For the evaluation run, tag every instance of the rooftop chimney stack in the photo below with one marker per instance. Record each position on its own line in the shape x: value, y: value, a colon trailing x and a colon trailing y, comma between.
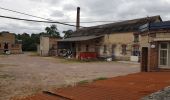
x: 78, y: 19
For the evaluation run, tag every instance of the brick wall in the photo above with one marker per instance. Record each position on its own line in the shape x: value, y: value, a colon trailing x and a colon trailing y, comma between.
x: 7, y: 37
x: 12, y: 46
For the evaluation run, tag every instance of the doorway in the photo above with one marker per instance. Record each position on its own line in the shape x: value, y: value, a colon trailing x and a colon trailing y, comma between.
x: 73, y: 49
x: 144, y: 60
x: 5, y: 46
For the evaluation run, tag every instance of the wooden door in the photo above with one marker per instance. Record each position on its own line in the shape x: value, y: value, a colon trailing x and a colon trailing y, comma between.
x: 144, y: 59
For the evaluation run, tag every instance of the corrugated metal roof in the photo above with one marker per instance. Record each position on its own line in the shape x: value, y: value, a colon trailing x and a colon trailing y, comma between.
x: 155, y: 26
x: 81, y: 38
x: 118, y: 27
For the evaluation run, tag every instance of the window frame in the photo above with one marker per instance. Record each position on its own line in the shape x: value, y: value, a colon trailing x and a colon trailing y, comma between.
x: 136, y: 38
x: 104, y: 48
x: 167, y: 58
x: 124, y: 49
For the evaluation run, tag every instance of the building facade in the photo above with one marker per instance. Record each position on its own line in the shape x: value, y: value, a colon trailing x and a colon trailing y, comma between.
x: 9, y: 43
x: 116, y: 40
x: 155, y: 46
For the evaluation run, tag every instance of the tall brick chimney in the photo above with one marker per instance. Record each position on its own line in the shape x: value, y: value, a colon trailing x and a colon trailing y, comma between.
x: 78, y: 19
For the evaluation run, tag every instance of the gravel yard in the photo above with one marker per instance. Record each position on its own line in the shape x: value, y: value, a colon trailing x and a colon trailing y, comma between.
x: 25, y: 74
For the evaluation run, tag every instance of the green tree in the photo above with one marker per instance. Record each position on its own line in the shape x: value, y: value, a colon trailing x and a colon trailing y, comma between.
x: 29, y: 42
x: 52, y: 31
x: 68, y: 33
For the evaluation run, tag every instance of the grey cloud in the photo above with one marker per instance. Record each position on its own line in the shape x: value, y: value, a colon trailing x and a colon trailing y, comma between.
x: 69, y: 7
x: 57, y: 13
x: 15, y: 28
x: 53, y: 2
x: 63, y: 10
x: 144, y: 8
x: 100, y: 7
x: 124, y: 9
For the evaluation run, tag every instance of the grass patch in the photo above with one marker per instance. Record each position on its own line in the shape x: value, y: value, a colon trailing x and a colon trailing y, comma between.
x: 1, y: 65
x: 89, y: 81
x: 4, y: 76
x: 3, y: 55
x: 5, y: 65
x: 83, y: 82
x: 100, y: 78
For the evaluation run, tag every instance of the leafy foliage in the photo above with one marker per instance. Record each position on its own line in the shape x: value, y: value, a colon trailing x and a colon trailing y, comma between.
x: 52, y: 31
x: 29, y: 42
x: 67, y: 33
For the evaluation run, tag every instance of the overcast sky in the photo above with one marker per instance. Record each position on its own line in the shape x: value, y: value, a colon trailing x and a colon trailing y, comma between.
x: 65, y: 10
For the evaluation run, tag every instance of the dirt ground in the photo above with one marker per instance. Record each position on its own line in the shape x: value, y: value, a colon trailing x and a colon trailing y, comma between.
x: 25, y: 74
x: 128, y: 87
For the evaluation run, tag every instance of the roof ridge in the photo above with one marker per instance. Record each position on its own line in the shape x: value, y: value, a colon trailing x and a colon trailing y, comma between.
x: 122, y: 21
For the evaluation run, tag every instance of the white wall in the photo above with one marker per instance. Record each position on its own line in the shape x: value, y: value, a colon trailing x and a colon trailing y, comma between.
x: 44, y: 46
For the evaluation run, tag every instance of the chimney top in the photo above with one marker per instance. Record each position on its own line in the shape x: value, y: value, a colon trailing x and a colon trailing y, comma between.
x: 78, y: 18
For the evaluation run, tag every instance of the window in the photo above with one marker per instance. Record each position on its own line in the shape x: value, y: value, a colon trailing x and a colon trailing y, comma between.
x: 113, y: 48
x: 163, y: 54
x: 105, y: 49
x: 136, y: 38
x: 87, y: 48
x: 136, y: 51
x: 124, y: 51
x: 164, y: 45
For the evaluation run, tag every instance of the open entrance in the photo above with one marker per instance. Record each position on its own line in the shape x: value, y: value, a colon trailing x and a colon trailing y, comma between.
x: 67, y: 49
x: 144, y: 60
x: 5, y: 46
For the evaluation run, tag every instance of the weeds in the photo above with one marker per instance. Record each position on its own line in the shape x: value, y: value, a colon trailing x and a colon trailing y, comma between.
x: 4, y: 76
x: 100, y: 78
x: 88, y: 81
x: 5, y: 65
x: 83, y: 82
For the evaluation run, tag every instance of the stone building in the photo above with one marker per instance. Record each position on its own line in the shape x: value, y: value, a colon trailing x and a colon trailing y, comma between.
x: 9, y: 43
x: 155, y: 45
x: 117, y: 40
x: 47, y: 46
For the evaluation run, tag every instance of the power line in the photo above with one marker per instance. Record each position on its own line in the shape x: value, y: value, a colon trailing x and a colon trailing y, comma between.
x: 25, y: 14
x: 50, y: 19
x: 92, y: 21
x: 36, y: 20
